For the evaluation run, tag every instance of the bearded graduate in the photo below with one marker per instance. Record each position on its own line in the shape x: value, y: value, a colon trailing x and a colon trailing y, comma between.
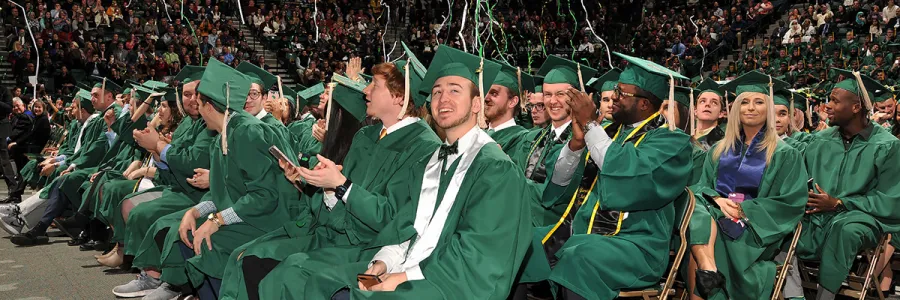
x: 749, y: 198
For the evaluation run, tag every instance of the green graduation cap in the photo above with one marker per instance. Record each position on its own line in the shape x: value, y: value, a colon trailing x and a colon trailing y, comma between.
x: 538, y: 84
x: 883, y: 95
x: 258, y: 75
x: 226, y: 87
x: 110, y: 85
x: 754, y: 81
x: 365, y: 77
x: 310, y: 95
x: 606, y: 82
x: 289, y: 93
x: 783, y: 97
x: 189, y: 74
x: 155, y: 85
x: 510, y: 76
x: 648, y: 76
x: 453, y: 62
x: 349, y: 95
x: 126, y: 91
x: 171, y: 97
x: 852, y: 85
x: 709, y: 85
x: 560, y: 70
x: 417, y: 73
x: 684, y: 94
x: 800, y: 101
x: 84, y: 100
x: 141, y: 92
x: 84, y: 85
x: 416, y: 64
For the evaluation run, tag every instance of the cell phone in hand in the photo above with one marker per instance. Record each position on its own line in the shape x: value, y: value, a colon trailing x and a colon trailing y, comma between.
x: 811, y: 185
x: 279, y: 155
x: 368, y: 280
x: 303, y: 160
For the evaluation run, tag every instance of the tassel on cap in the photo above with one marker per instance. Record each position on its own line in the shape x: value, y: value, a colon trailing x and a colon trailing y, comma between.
x: 329, y: 88
x: 482, y: 121
x: 178, y: 101
x: 521, y: 90
x: 225, y: 120
x: 405, y: 91
x: 103, y: 90
x: 693, y: 127
x: 297, y: 105
x: 670, y: 114
x: 865, y: 94
x: 580, y: 79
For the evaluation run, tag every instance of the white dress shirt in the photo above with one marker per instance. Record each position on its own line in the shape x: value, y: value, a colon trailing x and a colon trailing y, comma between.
x: 597, y: 143
x: 509, y: 123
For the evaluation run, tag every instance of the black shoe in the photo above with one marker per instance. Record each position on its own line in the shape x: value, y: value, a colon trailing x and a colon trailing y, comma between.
x: 709, y: 282
x: 88, y: 246
x: 78, y: 240
x: 30, y: 238
x: 71, y: 226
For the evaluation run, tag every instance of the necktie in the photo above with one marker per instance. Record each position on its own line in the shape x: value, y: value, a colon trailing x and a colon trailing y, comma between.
x: 490, y: 131
x: 447, y: 150
x: 383, y: 133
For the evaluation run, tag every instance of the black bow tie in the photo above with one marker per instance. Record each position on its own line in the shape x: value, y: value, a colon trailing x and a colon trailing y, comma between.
x: 447, y: 150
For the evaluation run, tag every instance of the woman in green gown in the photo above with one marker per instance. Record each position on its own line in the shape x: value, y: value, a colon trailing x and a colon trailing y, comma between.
x: 749, y: 198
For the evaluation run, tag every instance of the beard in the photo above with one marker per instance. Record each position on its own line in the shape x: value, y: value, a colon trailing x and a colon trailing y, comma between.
x: 626, y: 115
x: 447, y: 124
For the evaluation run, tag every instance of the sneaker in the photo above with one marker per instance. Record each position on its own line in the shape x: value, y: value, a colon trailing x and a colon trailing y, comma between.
x: 9, y: 210
x: 12, y: 224
x: 140, y: 287
x: 163, y: 292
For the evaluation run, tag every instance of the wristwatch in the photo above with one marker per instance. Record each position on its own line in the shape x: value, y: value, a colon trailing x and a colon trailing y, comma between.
x: 340, y: 190
x: 212, y: 217
x: 590, y: 125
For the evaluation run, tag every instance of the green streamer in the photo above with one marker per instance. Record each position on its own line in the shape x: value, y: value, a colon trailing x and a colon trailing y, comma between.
x: 194, y: 34
x: 574, y: 31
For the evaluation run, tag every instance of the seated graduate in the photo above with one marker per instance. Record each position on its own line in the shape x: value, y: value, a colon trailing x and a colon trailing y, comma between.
x: 263, y: 82
x: 749, y: 198
x: 15, y: 218
x: 247, y: 195
x: 307, y: 104
x: 361, y: 196
x: 539, y: 150
x: 855, y: 198
x: 449, y: 244
x: 502, y: 105
x: 633, y: 226
x: 77, y: 169
x: 709, y: 109
x: 605, y: 85
x: 540, y: 116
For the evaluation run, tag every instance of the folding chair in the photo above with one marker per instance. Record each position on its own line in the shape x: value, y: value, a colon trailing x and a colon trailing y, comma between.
x: 666, y: 290
x: 856, y: 286
x: 784, y: 268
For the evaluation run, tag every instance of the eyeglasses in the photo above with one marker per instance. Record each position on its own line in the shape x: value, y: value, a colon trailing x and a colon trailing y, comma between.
x: 534, y: 107
x: 619, y: 93
x: 254, y: 95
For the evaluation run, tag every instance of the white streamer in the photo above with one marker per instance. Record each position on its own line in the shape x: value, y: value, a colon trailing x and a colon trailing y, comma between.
x: 387, y: 55
x: 588, y: 21
x: 462, y: 27
x: 699, y: 43
x: 449, y: 12
x: 315, y: 18
x: 166, y: 8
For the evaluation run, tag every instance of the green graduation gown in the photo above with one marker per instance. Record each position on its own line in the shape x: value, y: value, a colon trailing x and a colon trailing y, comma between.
x: 379, y: 172
x: 186, y: 153
x: 546, y: 202
x: 509, y: 138
x: 301, y: 132
x: 94, y: 145
x: 748, y: 262
x: 631, y: 226
x: 477, y: 254
x: 861, y: 177
x: 247, y: 181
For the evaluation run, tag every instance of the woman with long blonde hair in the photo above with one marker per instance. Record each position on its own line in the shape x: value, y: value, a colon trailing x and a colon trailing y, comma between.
x: 750, y: 195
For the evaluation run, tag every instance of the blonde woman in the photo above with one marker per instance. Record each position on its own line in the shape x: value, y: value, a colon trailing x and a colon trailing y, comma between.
x: 751, y: 194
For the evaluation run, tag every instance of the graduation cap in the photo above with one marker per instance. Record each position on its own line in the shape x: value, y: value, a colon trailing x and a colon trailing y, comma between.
x: 606, y: 82
x: 755, y: 81
x: 560, y: 70
x: 709, y: 85
x: 310, y: 95
x: 349, y: 95
x: 652, y: 78
x: 453, y: 62
x: 257, y: 75
x: 538, y: 84
x: 84, y: 85
x: 365, y: 77
x: 83, y: 97
x: 189, y: 74
x: 226, y: 88
x: 413, y: 71
x: 860, y: 85
x: 109, y: 85
x: 685, y: 96
x: 155, y: 85
x: 290, y: 95
x: 882, y: 95
x: 514, y: 79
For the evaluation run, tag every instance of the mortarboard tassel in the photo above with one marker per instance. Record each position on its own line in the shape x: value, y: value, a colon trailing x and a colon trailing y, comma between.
x: 482, y: 121
x: 297, y: 105
x: 225, y: 121
x: 178, y: 102
x: 670, y: 113
x: 865, y: 94
x: 280, y: 89
x: 329, y: 89
x: 791, y: 115
x: 405, y: 91
x: 103, y: 90
x: 580, y: 80
x: 693, y: 115
x: 521, y: 91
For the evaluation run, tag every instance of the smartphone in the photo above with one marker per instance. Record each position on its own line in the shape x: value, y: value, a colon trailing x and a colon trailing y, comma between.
x: 279, y: 155
x: 368, y: 280
x: 303, y: 160
x: 811, y: 185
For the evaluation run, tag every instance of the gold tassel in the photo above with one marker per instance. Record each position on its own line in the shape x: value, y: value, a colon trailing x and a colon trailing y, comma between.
x: 405, y: 91
x: 693, y: 117
x: 521, y: 90
x: 103, y: 90
x: 865, y: 94
x: 791, y: 114
x: 329, y: 89
x: 178, y: 101
x: 225, y: 121
x: 482, y: 121
x: 671, y: 109
x: 280, y: 89
x: 580, y: 80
